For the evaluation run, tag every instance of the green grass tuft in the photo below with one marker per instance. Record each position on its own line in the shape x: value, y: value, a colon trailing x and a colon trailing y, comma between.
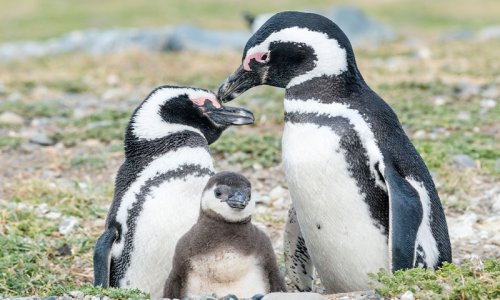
x: 249, y: 149
x: 10, y: 142
x: 114, y: 293
x: 470, y: 280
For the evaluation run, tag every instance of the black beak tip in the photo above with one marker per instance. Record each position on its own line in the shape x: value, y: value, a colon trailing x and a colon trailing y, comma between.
x: 222, y: 95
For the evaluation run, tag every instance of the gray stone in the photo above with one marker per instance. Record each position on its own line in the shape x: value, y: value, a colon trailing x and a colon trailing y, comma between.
x: 463, y: 116
x: 277, y: 193
x: 490, y: 91
x: 489, y: 33
x: 67, y: 225
x: 359, y: 27
x: 408, y: 295
x: 53, y: 215
x: 458, y: 34
x: 77, y: 294
x: 42, y: 139
x: 258, y: 21
x: 197, y: 39
x: 462, y: 227
x: 11, y: 118
x: 90, y: 41
x: 114, y: 40
x: 462, y: 161
x: 422, y: 52
x: 293, y: 296
x: 488, y: 103
x: 467, y: 89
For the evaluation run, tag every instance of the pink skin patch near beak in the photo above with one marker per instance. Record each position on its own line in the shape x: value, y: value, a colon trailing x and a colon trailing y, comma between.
x: 259, y: 57
x: 201, y: 101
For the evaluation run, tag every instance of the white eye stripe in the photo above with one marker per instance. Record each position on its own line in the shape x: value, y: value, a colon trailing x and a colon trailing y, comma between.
x: 149, y: 125
x: 331, y: 59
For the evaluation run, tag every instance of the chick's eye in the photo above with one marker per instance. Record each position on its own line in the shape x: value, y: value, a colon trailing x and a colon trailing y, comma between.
x: 218, y: 193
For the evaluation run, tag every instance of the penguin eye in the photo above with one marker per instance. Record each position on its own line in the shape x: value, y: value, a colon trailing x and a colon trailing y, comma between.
x: 264, y: 57
x: 217, y: 193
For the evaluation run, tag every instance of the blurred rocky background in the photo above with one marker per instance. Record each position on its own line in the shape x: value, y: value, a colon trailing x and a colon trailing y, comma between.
x: 71, y: 72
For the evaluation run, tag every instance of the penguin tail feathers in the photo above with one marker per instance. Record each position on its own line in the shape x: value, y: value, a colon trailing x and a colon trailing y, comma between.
x: 102, y: 257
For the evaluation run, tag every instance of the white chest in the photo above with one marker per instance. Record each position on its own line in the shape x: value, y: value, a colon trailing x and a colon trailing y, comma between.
x: 333, y: 216
x: 226, y: 272
x: 169, y: 211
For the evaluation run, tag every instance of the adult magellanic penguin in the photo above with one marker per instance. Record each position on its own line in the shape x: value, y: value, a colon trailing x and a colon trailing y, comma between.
x: 363, y: 196
x: 158, y: 188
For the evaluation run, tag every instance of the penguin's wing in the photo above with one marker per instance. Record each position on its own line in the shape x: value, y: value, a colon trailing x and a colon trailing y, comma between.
x: 102, y: 257
x: 405, y: 217
x: 298, y: 263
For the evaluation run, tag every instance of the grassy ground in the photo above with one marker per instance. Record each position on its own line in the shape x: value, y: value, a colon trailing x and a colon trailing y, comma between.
x: 83, y: 103
x: 43, y: 19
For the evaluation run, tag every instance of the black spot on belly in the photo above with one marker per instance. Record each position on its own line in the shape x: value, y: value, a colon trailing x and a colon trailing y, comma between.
x: 318, y: 226
x: 420, y: 260
x: 357, y: 160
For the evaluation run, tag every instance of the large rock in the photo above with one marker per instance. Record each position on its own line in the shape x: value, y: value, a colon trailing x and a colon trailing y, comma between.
x: 198, y: 39
x: 462, y: 161
x: 11, y: 118
x: 95, y: 41
x: 90, y: 41
x: 358, y: 26
x: 490, y: 33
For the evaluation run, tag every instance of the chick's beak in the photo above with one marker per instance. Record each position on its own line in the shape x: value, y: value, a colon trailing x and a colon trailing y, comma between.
x: 238, y: 200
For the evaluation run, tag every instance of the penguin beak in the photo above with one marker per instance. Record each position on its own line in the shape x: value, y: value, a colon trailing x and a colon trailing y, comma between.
x: 238, y: 200
x: 227, y: 115
x: 239, y: 82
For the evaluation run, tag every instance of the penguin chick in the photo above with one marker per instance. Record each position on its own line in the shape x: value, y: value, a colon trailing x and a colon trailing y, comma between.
x: 159, y: 186
x: 224, y: 252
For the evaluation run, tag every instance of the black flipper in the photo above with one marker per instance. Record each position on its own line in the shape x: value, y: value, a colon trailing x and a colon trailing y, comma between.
x: 405, y: 218
x: 102, y: 257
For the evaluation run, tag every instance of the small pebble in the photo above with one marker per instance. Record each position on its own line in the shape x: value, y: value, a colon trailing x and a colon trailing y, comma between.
x: 76, y: 294
x: 67, y: 225
x: 65, y: 250
x: 408, y: 295
x: 11, y: 118
x: 488, y: 103
x: 42, y: 140
x: 462, y: 161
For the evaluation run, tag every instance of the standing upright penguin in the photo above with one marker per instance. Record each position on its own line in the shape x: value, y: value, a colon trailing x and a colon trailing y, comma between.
x: 158, y: 187
x: 361, y: 193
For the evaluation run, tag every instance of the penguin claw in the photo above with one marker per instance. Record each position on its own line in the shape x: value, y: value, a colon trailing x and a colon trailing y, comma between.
x: 257, y: 297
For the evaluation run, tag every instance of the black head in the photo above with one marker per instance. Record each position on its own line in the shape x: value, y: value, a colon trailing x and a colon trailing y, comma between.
x: 169, y: 109
x: 228, y: 195
x: 291, y: 48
